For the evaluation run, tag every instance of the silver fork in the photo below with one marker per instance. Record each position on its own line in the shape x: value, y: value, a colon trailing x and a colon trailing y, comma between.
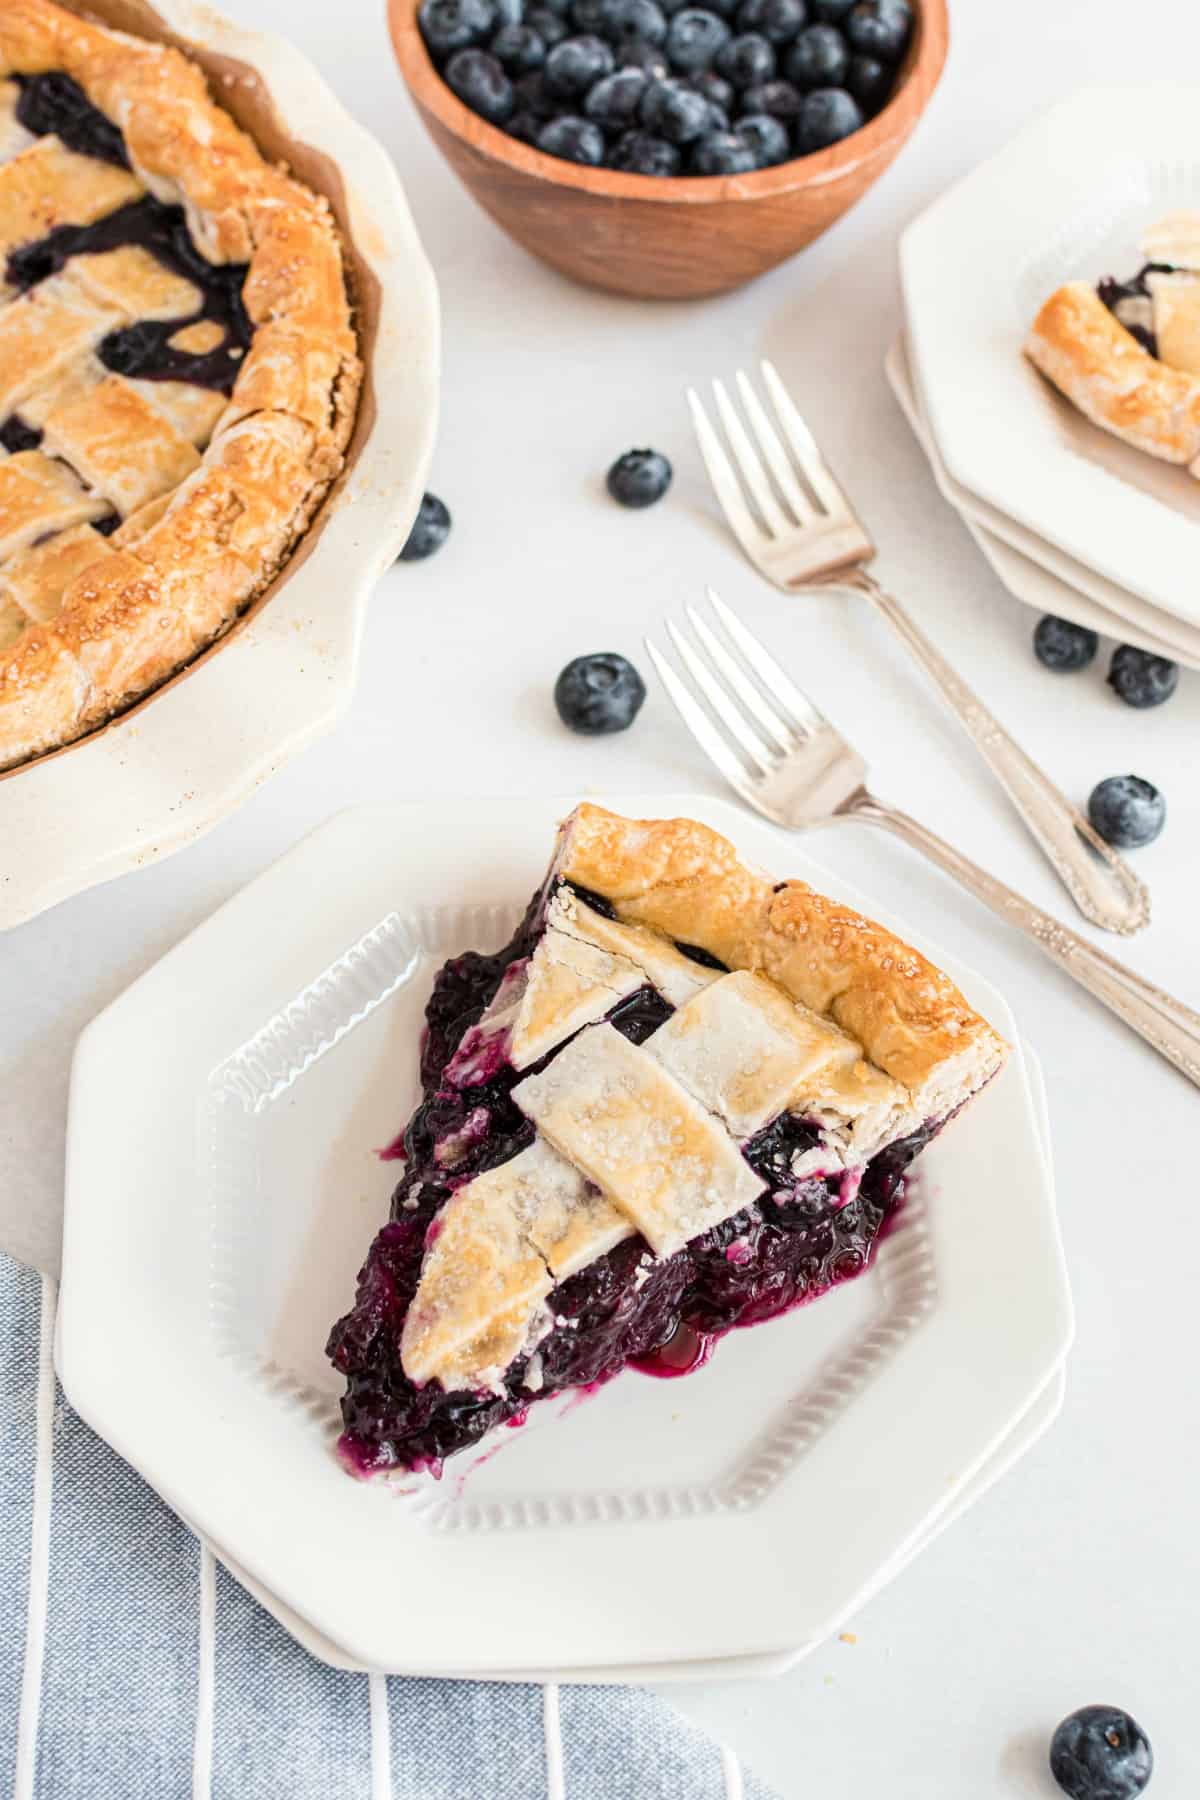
x: 787, y: 761
x: 797, y: 526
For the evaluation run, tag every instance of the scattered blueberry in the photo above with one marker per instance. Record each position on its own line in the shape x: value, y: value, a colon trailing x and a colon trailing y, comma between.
x: 576, y: 64
x: 430, y: 529
x: 613, y: 102
x: 880, y: 28
x: 818, y: 58
x: 779, y: 98
x: 640, y: 153
x: 1063, y: 646
x: 675, y: 112
x: 550, y: 27
x: 723, y: 153
x: 574, y: 140
x: 693, y: 39
x: 827, y: 116
x: 598, y: 694
x: 639, y: 478
x: 715, y: 89
x: 747, y: 59
x: 1100, y: 1753
x: 1140, y: 678
x: 869, y: 81
x: 767, y: 137
x: 449, y: 25
x: 518, y: 49
x: 1127, y: 811
x: 779, y: 21
x: 651, y: 59
x: 481, y: 84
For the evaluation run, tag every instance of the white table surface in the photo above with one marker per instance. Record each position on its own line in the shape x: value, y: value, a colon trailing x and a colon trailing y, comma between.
x: 1078, y: 1578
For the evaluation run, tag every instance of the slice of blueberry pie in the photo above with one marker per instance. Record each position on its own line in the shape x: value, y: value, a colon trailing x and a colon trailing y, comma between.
x: 1127, y: 353
x: 178, y: 370
x: 682, y: 1099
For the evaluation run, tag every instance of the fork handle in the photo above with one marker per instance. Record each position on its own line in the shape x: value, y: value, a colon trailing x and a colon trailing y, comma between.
x: 1101, y: 883
x: 1166, y: 1024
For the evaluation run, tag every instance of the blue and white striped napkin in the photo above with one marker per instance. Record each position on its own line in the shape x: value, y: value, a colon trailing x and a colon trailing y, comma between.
x: 133, y: 1667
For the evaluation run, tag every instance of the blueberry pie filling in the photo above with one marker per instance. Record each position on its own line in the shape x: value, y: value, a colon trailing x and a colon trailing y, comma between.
x: 644, y: 1122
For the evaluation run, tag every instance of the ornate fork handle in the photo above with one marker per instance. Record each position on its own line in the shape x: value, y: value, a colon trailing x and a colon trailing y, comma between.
x: 1101, y: 883
x: 1170, y: 1027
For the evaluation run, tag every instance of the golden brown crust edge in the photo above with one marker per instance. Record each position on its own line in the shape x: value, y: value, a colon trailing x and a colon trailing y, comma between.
x: 686, y: 880
x: 1081, y: 347
x: 288, y: 420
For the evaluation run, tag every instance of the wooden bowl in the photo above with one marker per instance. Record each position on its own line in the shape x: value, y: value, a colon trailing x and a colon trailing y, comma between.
x: 665, y: 239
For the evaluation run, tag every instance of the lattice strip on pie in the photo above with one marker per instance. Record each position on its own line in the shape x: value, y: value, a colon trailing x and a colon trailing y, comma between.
x: 12, y: 622
x: 135, y: 284
x: 35, y: 579
x: 43, y: 333
x: 121, y: 445
x: 193, y: 411
x: 47, y: 185
x: 39, y: 496
x: 13, y: 136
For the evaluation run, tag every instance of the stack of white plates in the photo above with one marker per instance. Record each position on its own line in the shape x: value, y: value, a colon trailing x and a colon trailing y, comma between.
x: 1073, y: 521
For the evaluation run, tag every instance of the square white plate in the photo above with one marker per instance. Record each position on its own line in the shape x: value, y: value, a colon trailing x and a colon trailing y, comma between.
x: 1068, y: 198
x: 221, y: 1196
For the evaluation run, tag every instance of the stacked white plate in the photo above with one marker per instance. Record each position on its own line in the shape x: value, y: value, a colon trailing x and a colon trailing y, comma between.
x: 1073, y: 521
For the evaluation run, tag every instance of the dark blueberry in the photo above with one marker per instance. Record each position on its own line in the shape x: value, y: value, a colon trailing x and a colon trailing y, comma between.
x: 651, y: 59
x: 869, y: 80
x: 1140, y: 678
x: 639, y: 478
x: 767, y: 137
x: 576, y: 64
x: 509, y: 12
x: 598, y: 694
x: 1063, y: 646
x: 778, y: 20
x: 560, y: 8
x: 430, y: 529
x: 641, y: 19
x: 533, y: 96
x: 830, y: 12
x: 779, y: 98
x: 747, y: 60
x: 597, y: 18
x: 549, y: 26
x: 481, y: 84
x: 827, y: 116
x: 718, y: 119
x: 723, y: 153
x: 880, y: 28
x: 1126, y: 811
x: 673, y: 111
x: 518, y: 49
x: 574, y: 140
x: 694, y: 37
x: 818, y: 58
x: 449, y: 25
x: 638, y: 153
x: 715, y: 89
x: 1100, y: 1753
x: 524, y: 125
x: 613, y: 103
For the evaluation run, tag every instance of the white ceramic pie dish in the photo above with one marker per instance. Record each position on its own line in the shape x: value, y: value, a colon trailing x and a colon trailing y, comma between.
x: 192, y: 1329
x: 159, y: 777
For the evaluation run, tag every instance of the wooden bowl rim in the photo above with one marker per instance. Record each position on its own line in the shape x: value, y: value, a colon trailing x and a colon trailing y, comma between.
x: 919, y: 73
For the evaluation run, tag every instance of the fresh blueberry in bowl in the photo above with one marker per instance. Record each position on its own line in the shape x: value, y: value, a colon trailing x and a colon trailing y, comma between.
x: 509, y: 12
x: 642, y: 19
x: 431, y: 528
x: 827, y: 116
x: 818, y: 58
x: 869, y: 80
x: 1062, y: 645
x: 779, y: 21
x: 480, y: 83
x: 1140, y: 678
x: 880, y: 28
x: 598, y: 694
x: 767, y: 137
x: 1100, y: 1753
x: 747, y: 59
x: 531, y: 95
x: 450, y: 25
x: 674, y: 111
x: 782, y: 99
x: 715, y: 88
x: 694, y: 37
x: 613, y: 102
x: 550, y: 26
x: 639, y: 477
x: 641, y: 153
x: 576, y: 64
x: 651, y: 59
x: 518, y: 49
x: 1127, y: 811
x: 723, y: 153
x: 831, y: 12
x: 573, y: 140
x: 594, y: 18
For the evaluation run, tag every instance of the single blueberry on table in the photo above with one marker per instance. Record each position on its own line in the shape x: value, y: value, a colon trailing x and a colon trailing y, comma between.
x: 778, y: 20
x: 651, y: 59
x: 1126, y: 811
x: 613, y: 102
x: 693, y: 38
x: 576, y: 64
x: 639, y: 478
x: 599, y: 694
x: 573, y: 140
x: 827, y: 116
x: 449, y: 25
x: 431, y: 528
x: 640, y: 153
x: 481, y: 84
x: 1141, y: 679
x: 518, y: 49
x: 550, y: 27
x: 880, y: 28
x: 818, y: 58
x: 781, y: 99
x: 1062, y: 645
x: 723, y: 153
x: 767, y: 137
x: 675, y: 112
x: 746, y: 60
x: 870, y: 81
x: 715, y: 89
x: 1100, y: 1753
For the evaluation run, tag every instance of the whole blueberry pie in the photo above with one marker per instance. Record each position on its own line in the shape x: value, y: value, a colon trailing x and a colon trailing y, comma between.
x: 683, y: 1098
x: 1127, y: 353
x: 178, y: 370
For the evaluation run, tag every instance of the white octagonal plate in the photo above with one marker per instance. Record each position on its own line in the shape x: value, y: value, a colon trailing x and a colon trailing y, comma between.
x: 222, y: 1188
x: 1067, y: 199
